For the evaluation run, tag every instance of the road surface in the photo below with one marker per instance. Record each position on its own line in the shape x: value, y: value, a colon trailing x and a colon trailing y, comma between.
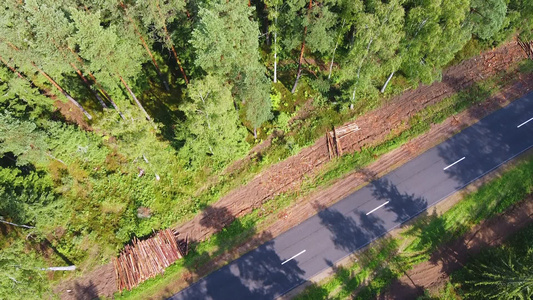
x: 290, y: 259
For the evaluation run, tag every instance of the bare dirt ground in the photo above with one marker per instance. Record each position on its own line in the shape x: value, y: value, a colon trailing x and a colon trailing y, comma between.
x: 433, y: 274
x: 72, y: 114
x: 289, y: 174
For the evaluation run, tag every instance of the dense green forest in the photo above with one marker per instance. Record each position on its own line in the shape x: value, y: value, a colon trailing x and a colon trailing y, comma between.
x: 114, y: 114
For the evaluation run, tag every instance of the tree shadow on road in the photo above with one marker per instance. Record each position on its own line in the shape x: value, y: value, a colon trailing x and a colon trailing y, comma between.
x: 404, y: 205
x: 258, y: 274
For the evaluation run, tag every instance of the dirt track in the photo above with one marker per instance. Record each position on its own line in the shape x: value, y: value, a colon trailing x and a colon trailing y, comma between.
x: 289, y: 174
x: 434, y: 273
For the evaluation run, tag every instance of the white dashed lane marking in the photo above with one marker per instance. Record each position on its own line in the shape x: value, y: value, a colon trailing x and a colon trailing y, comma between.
x: 454, y: 163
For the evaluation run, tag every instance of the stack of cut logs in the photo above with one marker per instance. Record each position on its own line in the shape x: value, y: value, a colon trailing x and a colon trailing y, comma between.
x: 527, y: 47
x: 333, y: 138
x: 147, y: 258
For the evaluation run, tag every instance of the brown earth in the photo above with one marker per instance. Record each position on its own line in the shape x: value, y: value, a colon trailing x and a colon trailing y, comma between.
x: 433, y: 274
x: 71, y: 113
x: 289, y: 174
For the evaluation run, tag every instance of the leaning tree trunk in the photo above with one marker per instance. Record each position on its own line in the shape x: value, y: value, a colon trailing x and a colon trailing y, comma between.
x: 165, y: 83
x: 100, y: 88
x: 143, y: 42
x: 275, y: 57
x: 11, y: 68
x: 299, y: 72
x: 80, y: 74
x: 134, y: 98
x: 88, y: 84
x: 334, y: 50
x: 87, y: 114
x: 408, y: 46
x: 387, y: 82
x: 332, y: 60
x: 17, y: 225
x: 276, y: 48
x: 361, y: 65
x: 169, y: 41
x: 178, y: 61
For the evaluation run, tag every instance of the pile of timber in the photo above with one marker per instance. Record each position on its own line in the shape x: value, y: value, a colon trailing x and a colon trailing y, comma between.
x: 333, y: 138
x: 527, y: 47
x: 147, y: 258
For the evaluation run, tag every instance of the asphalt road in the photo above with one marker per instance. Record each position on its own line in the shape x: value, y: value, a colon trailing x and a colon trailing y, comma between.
x: 290, y: 259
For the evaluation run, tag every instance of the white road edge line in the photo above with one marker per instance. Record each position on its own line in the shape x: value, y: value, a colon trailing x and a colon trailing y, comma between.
x: 524, y: 123
x: 453, y: 163
x: 377, y: 208
x: 301, y: 252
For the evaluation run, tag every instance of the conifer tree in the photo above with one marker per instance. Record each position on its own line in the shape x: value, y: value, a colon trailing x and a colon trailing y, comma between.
x: 487, y: 16
x: 147, y: 43
x: 212, y: 122
x: 505, y: 276
x: 226, y: 43
x: 157, y: 15
x: 51, y: 30
x: 308, y: 24
x: 17, y: 44
x: 112, y: 53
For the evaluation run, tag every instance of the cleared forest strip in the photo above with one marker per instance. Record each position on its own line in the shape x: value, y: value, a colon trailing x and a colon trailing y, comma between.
x: 374, y: 127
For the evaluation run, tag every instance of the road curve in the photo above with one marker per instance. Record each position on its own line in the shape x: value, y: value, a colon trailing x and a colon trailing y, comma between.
x: 293, y: 257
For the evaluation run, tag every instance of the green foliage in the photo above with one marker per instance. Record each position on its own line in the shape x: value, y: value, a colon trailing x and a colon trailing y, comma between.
x: 488, y: 17
x: 226, y: 45
x: 503, y: 276
x: 21, y: 99
x: 435, y: 32
x: 28, y: 198
x: 21, y: 139
x: 523, y: 17
x: 212, y: 124
x: 20, y: 275
x: 499, y: 273
x: 275, y: 99
x: 317, y: 20
x: 378, y: 33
